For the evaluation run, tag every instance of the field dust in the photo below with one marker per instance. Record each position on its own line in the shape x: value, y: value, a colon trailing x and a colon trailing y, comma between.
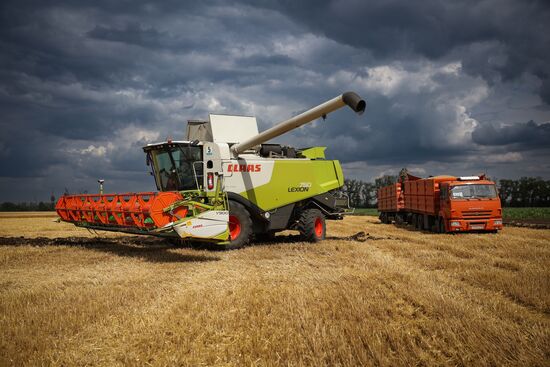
x: 391, y: 296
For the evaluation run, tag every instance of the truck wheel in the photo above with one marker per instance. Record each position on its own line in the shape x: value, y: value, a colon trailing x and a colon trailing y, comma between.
x: 311, y: 225
x: 440, y: 225
x: 415, y: 221
x: 240, y: 226
x: 419, y: 222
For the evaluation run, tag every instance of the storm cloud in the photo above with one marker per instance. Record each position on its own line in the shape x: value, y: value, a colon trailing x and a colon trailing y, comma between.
x: 528, y: 135
x: 449, y: 85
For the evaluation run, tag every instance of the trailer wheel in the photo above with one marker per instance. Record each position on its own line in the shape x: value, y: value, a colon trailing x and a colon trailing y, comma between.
x: 423, y: 226
x: 419, y: 221
x: 240, y: 226
x: 311, y: 225
x: 399, y: 219
x: 440, y: 225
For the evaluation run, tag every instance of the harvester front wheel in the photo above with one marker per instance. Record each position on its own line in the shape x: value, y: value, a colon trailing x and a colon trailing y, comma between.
x: 240, y: 226
x: 311, y: 225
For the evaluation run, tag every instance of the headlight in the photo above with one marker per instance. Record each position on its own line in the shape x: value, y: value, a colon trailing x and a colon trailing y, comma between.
x: 497, y: 222
x: 455, y: 224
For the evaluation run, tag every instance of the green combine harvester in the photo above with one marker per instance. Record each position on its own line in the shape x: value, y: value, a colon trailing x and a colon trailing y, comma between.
x: 225, y: 185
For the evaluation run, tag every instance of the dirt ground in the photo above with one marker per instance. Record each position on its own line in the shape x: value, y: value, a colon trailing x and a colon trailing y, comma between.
x: 371, y: 294
x: 529, y: 223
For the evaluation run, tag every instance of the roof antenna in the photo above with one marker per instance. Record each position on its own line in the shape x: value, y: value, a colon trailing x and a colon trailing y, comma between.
x: 101, y: 181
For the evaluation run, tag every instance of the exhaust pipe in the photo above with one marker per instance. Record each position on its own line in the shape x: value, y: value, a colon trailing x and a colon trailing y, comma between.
x: 350, y: 99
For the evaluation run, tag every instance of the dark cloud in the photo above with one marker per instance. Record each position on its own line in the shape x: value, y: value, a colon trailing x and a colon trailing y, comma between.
x: 137, y: 34
x: 528, y: 135
x: 272, y: 60
x: 435, y: 29
x: 85, y: 85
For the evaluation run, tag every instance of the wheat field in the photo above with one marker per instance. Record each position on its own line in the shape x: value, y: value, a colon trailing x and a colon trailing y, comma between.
x: 394, y: 297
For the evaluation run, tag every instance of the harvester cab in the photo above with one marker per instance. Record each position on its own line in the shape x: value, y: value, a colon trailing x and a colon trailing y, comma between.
x: 176, y: 166
x: 226, y: 185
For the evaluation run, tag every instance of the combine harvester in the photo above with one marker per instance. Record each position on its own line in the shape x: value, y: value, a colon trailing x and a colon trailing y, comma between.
x: 224, y: 185
x: 442, y: 203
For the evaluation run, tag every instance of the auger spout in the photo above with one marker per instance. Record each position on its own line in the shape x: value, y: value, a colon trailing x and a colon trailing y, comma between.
x: 350, y: 99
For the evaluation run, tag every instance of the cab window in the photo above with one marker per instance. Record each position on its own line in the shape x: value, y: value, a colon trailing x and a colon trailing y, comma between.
x: 473, y: 191
x: 177, y: 168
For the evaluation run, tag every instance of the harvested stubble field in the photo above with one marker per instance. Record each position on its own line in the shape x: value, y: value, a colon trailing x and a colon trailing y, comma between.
x: 394, y: 297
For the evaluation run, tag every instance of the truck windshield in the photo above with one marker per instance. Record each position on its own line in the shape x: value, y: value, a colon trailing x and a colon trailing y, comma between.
x: 173, y: 167
x: 473, y: 191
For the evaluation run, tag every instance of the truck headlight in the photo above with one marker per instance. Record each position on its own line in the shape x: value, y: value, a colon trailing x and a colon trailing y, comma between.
x: 497, y: 222
x: 455, y: 224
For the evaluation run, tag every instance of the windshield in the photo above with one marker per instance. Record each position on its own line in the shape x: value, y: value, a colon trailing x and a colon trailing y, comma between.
x: 173, y: 167
x: 473, y: 191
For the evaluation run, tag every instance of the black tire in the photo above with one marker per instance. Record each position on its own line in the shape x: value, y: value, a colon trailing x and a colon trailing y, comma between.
x: 312, y: 226
x: 419, y: 222
x: 383, y: 217
x: 441, y: 225
x: 399, y: 219
x: 240, y: 226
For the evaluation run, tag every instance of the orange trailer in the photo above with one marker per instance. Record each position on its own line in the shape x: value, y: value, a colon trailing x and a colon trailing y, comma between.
x: 390, y: 198
x: 442, y: 203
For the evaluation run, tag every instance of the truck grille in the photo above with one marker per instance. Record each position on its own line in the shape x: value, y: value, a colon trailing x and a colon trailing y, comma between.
x: 476, y: 214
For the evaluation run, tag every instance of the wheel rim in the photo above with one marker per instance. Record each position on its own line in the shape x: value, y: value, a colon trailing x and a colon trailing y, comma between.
x: 234, y: 227
x: 318, y: 227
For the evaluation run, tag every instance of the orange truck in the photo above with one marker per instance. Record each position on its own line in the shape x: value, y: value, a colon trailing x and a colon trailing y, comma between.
x: 442, y: 204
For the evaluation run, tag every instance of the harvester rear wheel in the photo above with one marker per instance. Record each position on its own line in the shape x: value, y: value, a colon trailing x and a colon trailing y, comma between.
x: 240, y: 226
x: 311, y: 225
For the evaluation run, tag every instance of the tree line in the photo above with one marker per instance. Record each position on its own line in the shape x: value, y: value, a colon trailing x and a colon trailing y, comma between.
x: 40, y: 206
x: 524, y: 192
x: 527, y: 191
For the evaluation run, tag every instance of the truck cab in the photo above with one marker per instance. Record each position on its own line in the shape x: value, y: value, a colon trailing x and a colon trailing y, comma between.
x: 470, y: 204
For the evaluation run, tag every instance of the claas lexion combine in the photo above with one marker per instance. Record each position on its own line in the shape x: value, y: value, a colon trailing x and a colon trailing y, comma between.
x: 225, y: 185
